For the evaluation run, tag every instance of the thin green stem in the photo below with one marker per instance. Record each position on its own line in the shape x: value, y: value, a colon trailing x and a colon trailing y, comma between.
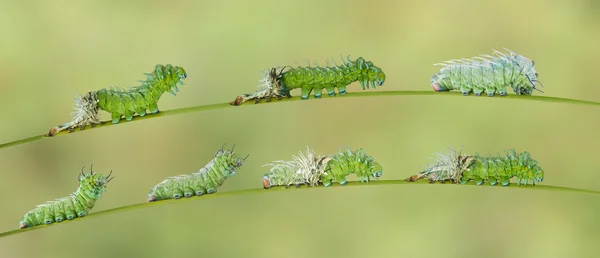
x: 279, y: 188
x: 349, y: 95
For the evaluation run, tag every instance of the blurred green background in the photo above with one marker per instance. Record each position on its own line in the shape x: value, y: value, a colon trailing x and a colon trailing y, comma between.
x: 52, y: 50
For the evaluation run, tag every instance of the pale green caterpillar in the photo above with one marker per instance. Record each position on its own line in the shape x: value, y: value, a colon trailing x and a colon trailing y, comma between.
x: 309, y: 79
x: 492, y: 74
x: 206, y: 181
x: 77, y: 205
x: 312, y: 169
x: 124, y: 103
x: 492, y: 169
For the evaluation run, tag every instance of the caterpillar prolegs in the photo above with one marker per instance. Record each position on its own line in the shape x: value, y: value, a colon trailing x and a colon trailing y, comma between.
x: 500, y: 169
x: 309, y: 79
x: 489, y: 74
x: 312, y: 169
x: 206, y: 181
x: 124, y: 103
x: 77, y: 205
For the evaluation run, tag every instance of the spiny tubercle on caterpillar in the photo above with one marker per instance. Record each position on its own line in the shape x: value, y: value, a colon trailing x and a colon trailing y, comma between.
x: 312, y: 169
x: 124, y: 103
x: 492, y: 74
x: 77, y: 205
x: 461, y: 168
x: 276, y: 85
x: 225, y: 164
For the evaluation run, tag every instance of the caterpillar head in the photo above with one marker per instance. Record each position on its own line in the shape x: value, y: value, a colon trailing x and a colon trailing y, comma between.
x: 232, y: 161
x: 376, y: 170
x: 174, y: 72
x: 180, y: 72
x: 538, y: 174
x: 93, y: 185
x: 527, y: 85
x: 376, y: 76
x: 446, y: 166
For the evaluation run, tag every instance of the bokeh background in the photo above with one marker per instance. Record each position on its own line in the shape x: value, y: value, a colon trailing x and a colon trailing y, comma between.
x: 52, y: 50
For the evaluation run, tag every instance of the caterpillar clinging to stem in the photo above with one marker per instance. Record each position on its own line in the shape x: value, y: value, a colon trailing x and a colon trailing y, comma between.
x: 77, y: 205
x: 312, y: 169
x: 206, y: 181
x: 124, y: 103
x: 278, y: 84
x: 489, y: 74
x: 499, y: 169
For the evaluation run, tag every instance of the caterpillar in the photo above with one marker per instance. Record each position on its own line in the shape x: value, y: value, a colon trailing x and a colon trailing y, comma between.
x: 274, y: 84
x: 225, y: 164
x: 77, y: 205
x: 462, y: 168
x: 312, y: 169
x: 124, y: 103
x: 489, y: 73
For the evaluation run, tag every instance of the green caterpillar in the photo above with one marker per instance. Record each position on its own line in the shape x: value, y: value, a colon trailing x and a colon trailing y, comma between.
x: 491, y: 74
x: 225, y: 164
x: 124, y: 103
x: 309, y: 79
x: 312, y: 169
x: 77, y: 205
x: 492, y: 169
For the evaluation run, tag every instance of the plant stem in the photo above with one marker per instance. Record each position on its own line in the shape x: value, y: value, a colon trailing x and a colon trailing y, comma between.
x: 279, y: 188
x: 349, y: 95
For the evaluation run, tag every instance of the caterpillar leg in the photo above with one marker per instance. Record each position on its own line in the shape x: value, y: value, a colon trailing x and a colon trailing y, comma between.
x: 48, y: 218
x: 70, y: 214
x: 479, y: 181
x: 200, y: 192
x: 128, y: 115
x: 153, y: 108
x: 141, y: 111
x: 330, y: 90
x: 326, y: 179
x: 490, y: 91
x: 464, y: 90
x: 211, y: 190
x: 177, y: 193
x: 318, y: 90
x: 305, y: 92
x: 116, y: 117
x: 342, y: 89
x: 341, y: 179
x: 188, y: 192
x: 477, y: 91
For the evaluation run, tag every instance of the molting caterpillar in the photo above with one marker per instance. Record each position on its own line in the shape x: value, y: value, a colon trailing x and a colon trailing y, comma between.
x: 492, y: 169
x: 206, y: 181
x: 491, y: 74
x: 311, y: 169
x: 125, y: 103
x: 78, y: 204
x: 304, y: 169
x: 278, y: 84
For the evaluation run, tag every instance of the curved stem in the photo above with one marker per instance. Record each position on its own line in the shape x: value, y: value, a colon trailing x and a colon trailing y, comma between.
x: 349, y: 95
x: 279, y: 188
